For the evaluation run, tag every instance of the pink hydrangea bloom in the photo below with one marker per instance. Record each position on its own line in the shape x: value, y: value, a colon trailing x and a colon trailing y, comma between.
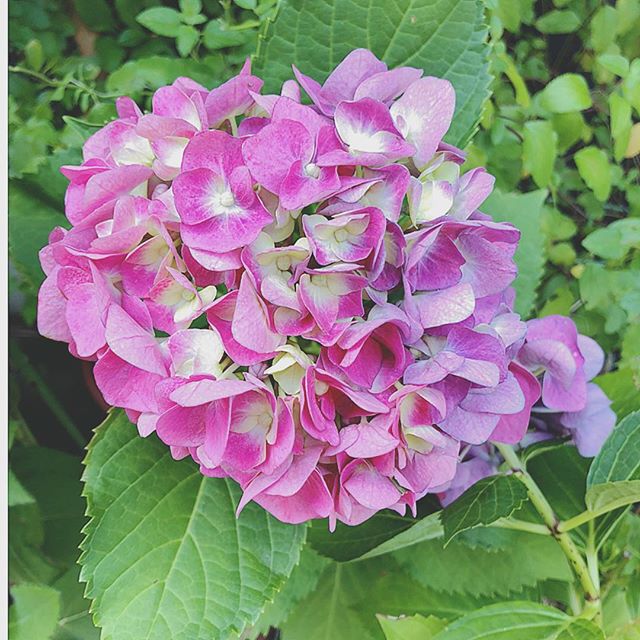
x: 305, y: 298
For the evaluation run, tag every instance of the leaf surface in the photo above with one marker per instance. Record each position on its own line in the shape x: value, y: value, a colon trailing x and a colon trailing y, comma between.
x: 164, y: 555
x: 446, y: 38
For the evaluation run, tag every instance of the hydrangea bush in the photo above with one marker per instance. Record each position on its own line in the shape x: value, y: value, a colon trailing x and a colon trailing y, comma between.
x: 306, y: 298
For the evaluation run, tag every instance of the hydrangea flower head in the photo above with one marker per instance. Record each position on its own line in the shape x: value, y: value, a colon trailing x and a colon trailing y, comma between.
x: 304, y: 296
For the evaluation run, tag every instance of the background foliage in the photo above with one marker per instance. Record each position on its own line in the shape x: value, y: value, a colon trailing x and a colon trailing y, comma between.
x: 560, y: 132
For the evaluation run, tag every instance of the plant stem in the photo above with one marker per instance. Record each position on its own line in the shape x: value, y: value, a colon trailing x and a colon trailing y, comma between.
x: 573, y: 555
x: 592, y: 566
x: 521, y: 525
x: 576, y: 521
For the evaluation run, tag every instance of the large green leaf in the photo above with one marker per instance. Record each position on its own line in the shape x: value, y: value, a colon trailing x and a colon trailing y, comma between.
x: 521, y: 620
x: 164, y: 555
x: 349, y: 596
x: 524, y: 210
x: 483, y: 503
x: 526, y: 560
x: 446, y: 38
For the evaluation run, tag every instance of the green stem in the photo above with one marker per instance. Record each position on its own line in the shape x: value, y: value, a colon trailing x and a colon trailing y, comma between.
x: 592, y: 566
x: 577, y: 521
x: 70, y: 83
x: 31, y: 374
x: 521, y: 525
x: 542, y: 506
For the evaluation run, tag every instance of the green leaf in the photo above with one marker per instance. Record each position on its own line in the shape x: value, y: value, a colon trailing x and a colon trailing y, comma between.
x: 96, y: 14
x: 349, y: 596
x: 53, y: 478
x: 566, y: 93
x: 164, y: 554
x: 521, y: 620
x: 186, y: 39
x: 558, y: 22
x: 34, y: 55
x: 614, y: 241
x: 300, y: 584
x: 250, y: 5
x: 427, y: 528
x: 619, y: 458
x: 81, y: 127
x: 538, y: 448
x: 30, y: 223
x: 190, y: 7
x: 75, y: 618
x: 133, y: 77
x: 523, y: 560
x: 446, y: 39
x: 604, y: 26
x: 539, y: 150
x: 525, y: 212
x: 27, y: 562
x: 614, y: 63
x: 620, y: 111
x: 561, y: 475
x: 593, y: 167
x: 34, y: 612
x: 29, y: 145
x: 622, y: 390
x: 580, y: 629
x: 347, y: 543
x: 17, y: 494
x: 411, y: 627
x: 217, y: 35
x: 611, y: 495
x: 484, y: 502
x: 571, y: 128
x: 161, y: 20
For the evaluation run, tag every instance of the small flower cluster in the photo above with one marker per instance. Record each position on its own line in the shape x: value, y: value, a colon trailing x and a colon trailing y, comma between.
x: 305, y: 298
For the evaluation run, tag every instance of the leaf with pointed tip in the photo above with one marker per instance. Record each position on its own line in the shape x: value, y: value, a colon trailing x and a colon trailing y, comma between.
x: 521, y: 620
x: 484, y: 502
x: 348, y: 543
x: 164, y: 555
x: 428, y: 528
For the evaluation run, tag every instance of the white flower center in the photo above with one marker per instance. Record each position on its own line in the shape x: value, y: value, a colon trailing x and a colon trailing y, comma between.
x: 312, y: 170
x: 341, y: 235
x: 227, y: 199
